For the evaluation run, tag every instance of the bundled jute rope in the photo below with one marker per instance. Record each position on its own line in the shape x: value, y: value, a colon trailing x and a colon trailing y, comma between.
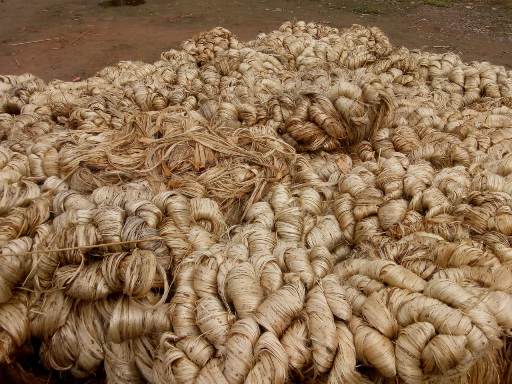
x: 313, y: 205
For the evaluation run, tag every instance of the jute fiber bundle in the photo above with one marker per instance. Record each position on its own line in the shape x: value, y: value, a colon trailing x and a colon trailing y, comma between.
x: 314, y: 205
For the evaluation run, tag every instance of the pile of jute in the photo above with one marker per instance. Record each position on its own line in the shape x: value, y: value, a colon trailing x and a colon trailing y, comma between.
x: 314, y: 205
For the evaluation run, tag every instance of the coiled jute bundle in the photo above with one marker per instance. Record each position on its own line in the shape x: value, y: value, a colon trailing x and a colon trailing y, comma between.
x: 314, y: 205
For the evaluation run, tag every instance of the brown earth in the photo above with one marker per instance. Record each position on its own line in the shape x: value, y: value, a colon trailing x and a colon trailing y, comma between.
x: 76, y: 38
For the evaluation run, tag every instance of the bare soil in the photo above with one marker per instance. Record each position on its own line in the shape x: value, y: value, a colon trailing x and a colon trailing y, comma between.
x: 75, y: 38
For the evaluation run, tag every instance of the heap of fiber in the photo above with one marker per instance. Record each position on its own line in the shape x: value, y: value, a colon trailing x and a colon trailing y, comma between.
x: 314, y: 205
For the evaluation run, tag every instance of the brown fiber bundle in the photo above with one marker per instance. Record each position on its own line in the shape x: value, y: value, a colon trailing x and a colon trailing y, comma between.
x: 314, y: 205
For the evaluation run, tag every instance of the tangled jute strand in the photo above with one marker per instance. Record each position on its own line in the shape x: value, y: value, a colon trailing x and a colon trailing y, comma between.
x: 314, y: 205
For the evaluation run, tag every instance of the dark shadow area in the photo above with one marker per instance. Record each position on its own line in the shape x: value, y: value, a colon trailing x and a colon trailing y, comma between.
x: 120, y: 3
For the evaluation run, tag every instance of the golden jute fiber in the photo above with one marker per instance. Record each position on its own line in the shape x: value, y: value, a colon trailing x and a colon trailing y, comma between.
x: 314, y: 205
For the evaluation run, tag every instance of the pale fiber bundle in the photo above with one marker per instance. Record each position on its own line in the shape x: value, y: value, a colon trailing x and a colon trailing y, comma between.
x: 312, y: 205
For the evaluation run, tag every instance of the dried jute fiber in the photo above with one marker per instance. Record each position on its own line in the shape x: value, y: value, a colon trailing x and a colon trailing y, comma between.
x: 314, y: 205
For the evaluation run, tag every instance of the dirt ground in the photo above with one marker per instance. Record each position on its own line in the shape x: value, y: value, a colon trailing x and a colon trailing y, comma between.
x: 67, y: 39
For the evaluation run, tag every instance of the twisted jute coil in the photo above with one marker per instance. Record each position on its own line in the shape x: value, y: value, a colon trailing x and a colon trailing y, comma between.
x: 314, y: 205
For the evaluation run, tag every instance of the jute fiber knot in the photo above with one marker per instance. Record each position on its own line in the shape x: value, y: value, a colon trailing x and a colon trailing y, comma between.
x: 281, y: 287
x: 314, y: 205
